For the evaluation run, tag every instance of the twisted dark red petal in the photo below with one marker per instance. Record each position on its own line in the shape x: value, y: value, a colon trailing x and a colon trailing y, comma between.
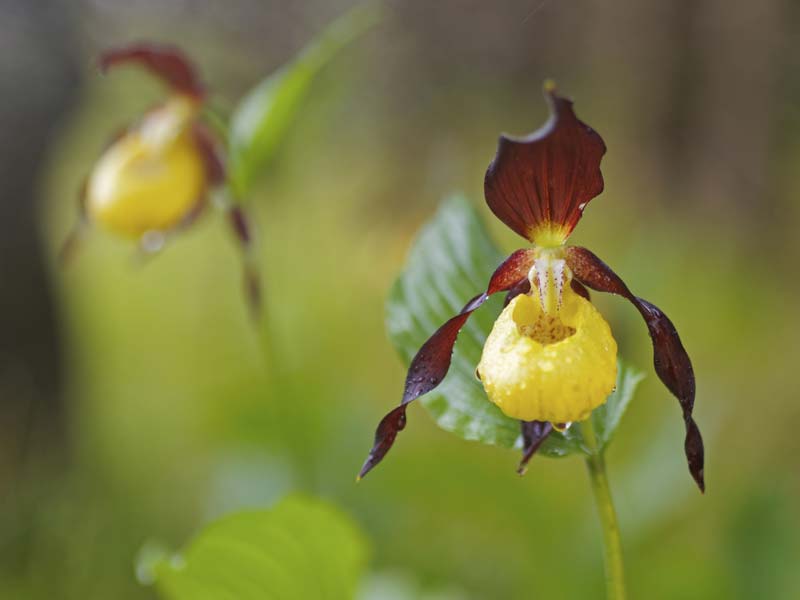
x: 243, y: 230
x: 579, y: 289
x: 547, y: 177
x: 671, y: 361
x: 523, y: 286
x: 431, y: 363
x: 211, y: 154
x: 534, y: 433
x: 166, y: 62
x: 240, y: 222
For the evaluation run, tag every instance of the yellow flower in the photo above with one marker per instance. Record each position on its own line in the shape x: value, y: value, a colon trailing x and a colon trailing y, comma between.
x: 550, y: 358
x: 152, y: 177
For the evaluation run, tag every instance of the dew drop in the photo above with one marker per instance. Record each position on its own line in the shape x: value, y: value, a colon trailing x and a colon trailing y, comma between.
x: 152, y: 241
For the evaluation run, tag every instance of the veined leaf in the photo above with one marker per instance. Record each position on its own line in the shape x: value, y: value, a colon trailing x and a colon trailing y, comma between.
x: 606, y: 418
x: 451, y: 260
x: 299, y: 549
x: 261, y: 120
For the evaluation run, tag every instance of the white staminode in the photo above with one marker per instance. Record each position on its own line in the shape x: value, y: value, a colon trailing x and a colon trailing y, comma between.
x: 548, y: 275
x: 161, y: 126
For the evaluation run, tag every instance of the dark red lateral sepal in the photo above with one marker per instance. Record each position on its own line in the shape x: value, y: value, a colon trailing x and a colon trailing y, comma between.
x: 534, y: 433
x: 243, y: 230
x: 671, y: 361
x: 431, y: 363
x: 523, y: 286
x: 166, y: 62
x: 241, y: 224
x: 547, y: 177
x: 579, y: 289
x: 211, y: 153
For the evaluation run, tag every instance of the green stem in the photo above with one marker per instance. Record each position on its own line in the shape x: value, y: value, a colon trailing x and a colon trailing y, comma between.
x: 612, y: 545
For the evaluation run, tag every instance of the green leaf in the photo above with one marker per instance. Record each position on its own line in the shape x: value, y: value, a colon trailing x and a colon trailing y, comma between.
x: 606, y: 418
x: 451, y: 261
x: 299, y: 549
x: 262, y: 118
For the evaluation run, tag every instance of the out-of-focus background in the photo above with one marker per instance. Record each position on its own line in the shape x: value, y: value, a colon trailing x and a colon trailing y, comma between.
x: 138, y: 401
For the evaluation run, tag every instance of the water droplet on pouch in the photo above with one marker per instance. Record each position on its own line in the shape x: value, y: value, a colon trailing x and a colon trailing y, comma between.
x: 152, y: 241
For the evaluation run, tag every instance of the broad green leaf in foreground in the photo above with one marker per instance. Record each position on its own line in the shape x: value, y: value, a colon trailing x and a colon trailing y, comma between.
x: 263, y: 116
x: 299, y: 549
x: 451, y: 261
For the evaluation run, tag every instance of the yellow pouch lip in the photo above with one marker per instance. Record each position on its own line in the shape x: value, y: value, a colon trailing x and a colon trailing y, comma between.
x: 135, y: 188
x: 558, y: 382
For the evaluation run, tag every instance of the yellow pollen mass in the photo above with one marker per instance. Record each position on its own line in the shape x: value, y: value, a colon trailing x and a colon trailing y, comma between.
x: 555, y: 367
x: 152, y: 177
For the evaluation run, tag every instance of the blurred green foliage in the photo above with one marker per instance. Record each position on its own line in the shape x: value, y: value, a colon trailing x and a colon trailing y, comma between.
x: 180, y: 412
x: 260, y: 121
x: 298, y: 549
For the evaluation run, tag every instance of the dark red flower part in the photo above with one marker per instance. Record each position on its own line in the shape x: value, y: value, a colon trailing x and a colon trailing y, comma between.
x: 579, y: 289
x: 243, y: 231
x: 523, y: 286
x: 211, y: 153
x: 240, y: 222
x: 431, y: 363
x: 534, y: 433
x: 166, y: 62
x: 543, y: 181
x: 671, y: 361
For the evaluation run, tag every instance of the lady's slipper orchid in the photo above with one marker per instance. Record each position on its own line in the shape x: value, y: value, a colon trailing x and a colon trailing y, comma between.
x: 550, y: 358
x: 153, y: 180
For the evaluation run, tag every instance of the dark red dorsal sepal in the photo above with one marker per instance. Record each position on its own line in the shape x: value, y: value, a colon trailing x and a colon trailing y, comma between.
x: 539, y: 184
x: 166, y: 62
